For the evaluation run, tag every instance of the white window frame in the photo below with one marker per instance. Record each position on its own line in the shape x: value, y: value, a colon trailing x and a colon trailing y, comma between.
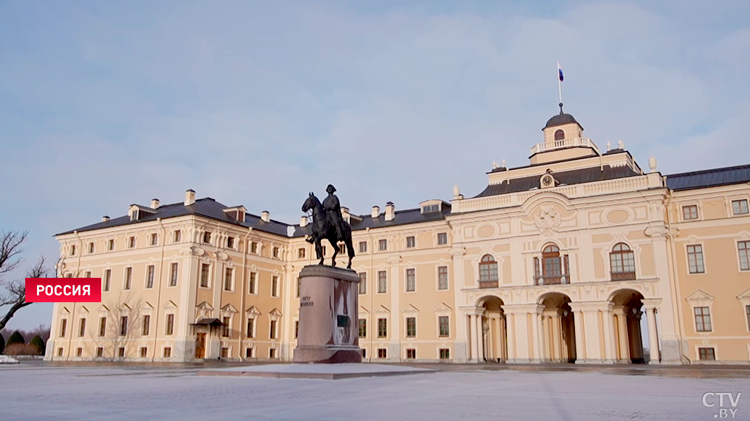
x: 703, y: 258
x: 406, y: 280
x: 437, y: 277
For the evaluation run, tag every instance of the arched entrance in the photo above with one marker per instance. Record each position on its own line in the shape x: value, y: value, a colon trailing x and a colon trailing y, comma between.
x: 494, y: 330
x: 627, y: 326
x: 558, y: 329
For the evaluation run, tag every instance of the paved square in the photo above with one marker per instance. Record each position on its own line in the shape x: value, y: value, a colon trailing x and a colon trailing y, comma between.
x: 34, y: 391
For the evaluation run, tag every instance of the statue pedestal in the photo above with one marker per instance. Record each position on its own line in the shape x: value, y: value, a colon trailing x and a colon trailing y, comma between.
x: 328, y: 323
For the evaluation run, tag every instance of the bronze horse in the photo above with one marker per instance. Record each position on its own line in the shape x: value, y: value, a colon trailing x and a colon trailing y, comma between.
x: 322, y: 229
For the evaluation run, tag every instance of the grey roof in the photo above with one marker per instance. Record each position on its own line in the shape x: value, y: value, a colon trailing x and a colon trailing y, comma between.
x: 207, y: 207
x: 709, y: 178
x: 560, y: 119
x: 402, y: 217
x: 583, y: 175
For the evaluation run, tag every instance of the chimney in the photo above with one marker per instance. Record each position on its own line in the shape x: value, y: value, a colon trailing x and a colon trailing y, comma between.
x: 154, y: 203
x: 303, y: 221
x: 390, y: 211
x: 375, y: 211
x: 189, y: 197
x: 105, y: 218
x: 265, y: 216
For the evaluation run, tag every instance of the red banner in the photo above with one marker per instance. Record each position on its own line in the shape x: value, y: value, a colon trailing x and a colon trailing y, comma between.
x: 63, y: 290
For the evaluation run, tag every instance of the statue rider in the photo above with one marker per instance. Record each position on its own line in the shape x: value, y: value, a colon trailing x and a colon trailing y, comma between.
x: 333, y: 211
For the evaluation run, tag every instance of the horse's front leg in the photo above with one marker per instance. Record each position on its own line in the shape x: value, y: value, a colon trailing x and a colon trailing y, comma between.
x: 335, y: 252
x: 319, y: 251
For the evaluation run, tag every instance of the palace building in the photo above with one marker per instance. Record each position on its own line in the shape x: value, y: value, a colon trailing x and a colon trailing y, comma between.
x: 581, y: 256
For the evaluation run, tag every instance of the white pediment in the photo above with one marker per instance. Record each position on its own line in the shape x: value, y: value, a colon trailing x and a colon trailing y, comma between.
x: 205, y: 306
x: 102, y: 309
x: 382, y: 309
x: 124, y: 308
x: 146, y: 306
x: 228, y: 309
x: 442, y: 308
x: 363, y: 310
x: 410, y: 309
x: 64, y: 311
x: 82, y: 310
x: 275, y: 312
x: 169, y: 305
x: 252, y: 311
x: 744, y: 297
x: 699, y: 296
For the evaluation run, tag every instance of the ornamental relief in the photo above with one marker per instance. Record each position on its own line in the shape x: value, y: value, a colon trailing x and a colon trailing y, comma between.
x: 547, y: 220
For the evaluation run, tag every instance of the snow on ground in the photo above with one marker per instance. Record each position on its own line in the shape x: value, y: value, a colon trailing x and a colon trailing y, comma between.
x: 40, y: 391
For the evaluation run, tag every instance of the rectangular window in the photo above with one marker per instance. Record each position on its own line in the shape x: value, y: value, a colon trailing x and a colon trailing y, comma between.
x: 131, y: 242
x: 363, y: 246
x: 99, y: 352
x: 411, y: 282
x: 224, y: 352
x: 690, y: 212
x: 382, y: 353
x: 411, y: 242
x: 249, y: 353
x: 444, y: 325
x: 107, y: 279
x: 442, y: 238
x: 296, y: 329
x: 167, y: 352
x: 702, y: 319
x: 230, y: 242
x: 204, y: 275
x: 743, y: 249
x: 225, y: 326
x: 154, y: 239
x: 382, y: 328
x: 411, y: 354
x: 363, y: 283
x: 250, y: 328
x: 144, y: 352
x: 81, y: 327
x: 382, y: 281
x: 102, y: 326
x: 299, y: 285
x: 123, y: 325
x: 170, y: 324
x: 207, y: 237
x: 150, y: 276
x: 146, y: 325
x: 111, y: 245
x: 59, y: 352
x: 87, y: 274
x: 695, y: 259
x: 254, y: 247
x: 271, y: 353
x: 747, y: 315
x: 706, y: 354
x: 79, y: 352
x: 363, y: 326
x: 173, y: 275
x: 364, y: 353
x: 442, y: 277
x: 91, y: 248
x: 128, y: 278
x: 275, y: 286
x: 73, y: 250
x: 275, y: 252
x: 121, y: 352
x: 739, y: 207
x: 411, y: 327
x: 383, y: 245
x: 445, y: 353
x: 228, y: 279
x: 272, y: 330
x: 251, y: 284
x: 177, y: 237
x: 301, y: 253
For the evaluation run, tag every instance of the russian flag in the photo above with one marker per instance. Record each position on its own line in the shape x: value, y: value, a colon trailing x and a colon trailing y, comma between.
x: 559, y: 71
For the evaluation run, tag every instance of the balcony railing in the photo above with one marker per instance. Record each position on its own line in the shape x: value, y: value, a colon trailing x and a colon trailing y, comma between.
x: 488, y: 284
x: 623, y: 276
x: 564, y: 143
x: 552, y: 280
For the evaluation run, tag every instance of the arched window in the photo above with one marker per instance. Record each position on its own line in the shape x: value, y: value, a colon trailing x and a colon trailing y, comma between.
x: 559, y: 135
x: 622, y: 262
x: 488, y: 269
x: 554, y: 267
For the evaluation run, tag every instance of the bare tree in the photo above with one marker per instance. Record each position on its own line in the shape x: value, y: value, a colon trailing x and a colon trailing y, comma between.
x: 14, y: 294
x: 115, y: 337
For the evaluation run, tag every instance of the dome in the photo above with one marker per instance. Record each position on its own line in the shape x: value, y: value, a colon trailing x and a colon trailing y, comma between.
x: 560, y: 119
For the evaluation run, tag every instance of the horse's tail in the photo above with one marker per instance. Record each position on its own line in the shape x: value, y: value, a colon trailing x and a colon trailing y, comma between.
x: 347, y: 232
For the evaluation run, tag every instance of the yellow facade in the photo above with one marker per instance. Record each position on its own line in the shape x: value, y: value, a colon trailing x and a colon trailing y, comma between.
x: 581, y: 256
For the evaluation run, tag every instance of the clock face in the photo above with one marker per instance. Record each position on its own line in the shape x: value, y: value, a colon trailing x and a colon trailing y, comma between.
x: 547, y: 180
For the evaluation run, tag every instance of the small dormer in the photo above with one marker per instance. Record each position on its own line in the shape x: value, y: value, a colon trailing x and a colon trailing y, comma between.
x: 563, y: 139
x: 137, y: 212
x: 433, y: 206
x: 236, y: 213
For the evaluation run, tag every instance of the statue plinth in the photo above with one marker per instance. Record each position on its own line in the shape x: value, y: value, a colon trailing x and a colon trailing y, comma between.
x: 328, y: 323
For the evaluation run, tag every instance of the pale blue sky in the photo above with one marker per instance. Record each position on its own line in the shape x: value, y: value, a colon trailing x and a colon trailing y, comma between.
x: 105, y: 104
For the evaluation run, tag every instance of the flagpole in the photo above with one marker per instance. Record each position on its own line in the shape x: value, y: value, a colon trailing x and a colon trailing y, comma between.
x: 559, y: 86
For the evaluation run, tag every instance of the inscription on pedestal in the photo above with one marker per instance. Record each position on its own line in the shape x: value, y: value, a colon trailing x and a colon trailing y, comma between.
x: 306, y: 302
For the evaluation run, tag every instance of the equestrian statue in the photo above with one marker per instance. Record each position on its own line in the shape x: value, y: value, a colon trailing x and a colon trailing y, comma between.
x: 328, y: 224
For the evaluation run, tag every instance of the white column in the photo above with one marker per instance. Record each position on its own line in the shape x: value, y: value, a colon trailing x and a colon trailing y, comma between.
x: 499, y: 343
x: 653, y: 340
x: 536, y: 329
x: 609, y: 340
x: 510, y: 321
x: 580, y: 336
x: 622, y: 327
x: 478, y: 329
x: 556, y: 338
x: 472, y: 339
